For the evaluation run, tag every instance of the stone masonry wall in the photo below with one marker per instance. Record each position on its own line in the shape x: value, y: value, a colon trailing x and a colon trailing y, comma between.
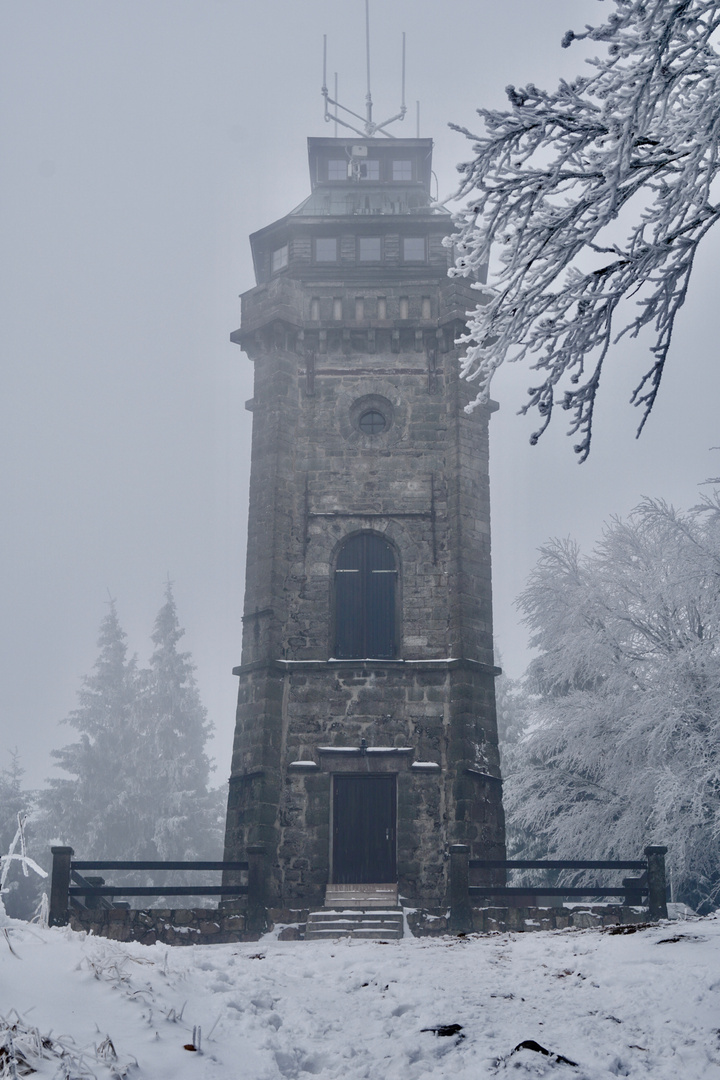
x: 317, y: 479
x: 440, y: 711
x: 205, y: 926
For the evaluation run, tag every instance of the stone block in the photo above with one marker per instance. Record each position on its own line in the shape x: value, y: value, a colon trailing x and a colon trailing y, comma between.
x: 586, y: 920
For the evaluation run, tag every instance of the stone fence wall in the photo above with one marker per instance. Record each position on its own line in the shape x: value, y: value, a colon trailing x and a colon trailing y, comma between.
x: 208, y: 926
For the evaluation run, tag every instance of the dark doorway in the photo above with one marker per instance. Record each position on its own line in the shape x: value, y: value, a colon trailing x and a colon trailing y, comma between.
x: 365, y: 582
x: 364, y: 830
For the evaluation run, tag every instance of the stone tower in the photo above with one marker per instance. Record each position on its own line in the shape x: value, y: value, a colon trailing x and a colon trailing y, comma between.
x: 366, y: 738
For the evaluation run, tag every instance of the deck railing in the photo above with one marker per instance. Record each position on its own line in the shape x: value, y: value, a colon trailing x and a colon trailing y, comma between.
x: 69, y: 888
x: 649, y: 886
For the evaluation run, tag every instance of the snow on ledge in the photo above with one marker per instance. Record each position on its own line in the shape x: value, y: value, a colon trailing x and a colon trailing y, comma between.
x: 366, y: 749
x: 425, y: 766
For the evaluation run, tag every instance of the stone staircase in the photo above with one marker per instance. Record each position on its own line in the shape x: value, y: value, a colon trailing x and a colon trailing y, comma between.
x: 382, y: 925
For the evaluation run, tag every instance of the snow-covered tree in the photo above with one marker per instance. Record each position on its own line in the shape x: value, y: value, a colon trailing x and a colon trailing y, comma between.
x: 94, y: 809
x: 22, y: 892
x: 138, y: 774
x: 172, y: 774
x: 622, y: 743
x: 636, y: 139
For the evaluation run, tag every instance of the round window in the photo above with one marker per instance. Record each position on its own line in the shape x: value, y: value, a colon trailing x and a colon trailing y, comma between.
x: 372, y: 422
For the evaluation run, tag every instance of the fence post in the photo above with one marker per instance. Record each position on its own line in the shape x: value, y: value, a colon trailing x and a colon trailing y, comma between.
x: 95, y: 901
x: 257, y: 888
x: 460, y: 911
x: 657, y: 902
x: 633, y: 892
x: 59, y: 885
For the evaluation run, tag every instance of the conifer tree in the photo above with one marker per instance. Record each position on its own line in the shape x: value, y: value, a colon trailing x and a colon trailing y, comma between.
x: 92, y: 809
x: 172, y: 772
x: 138, y: 779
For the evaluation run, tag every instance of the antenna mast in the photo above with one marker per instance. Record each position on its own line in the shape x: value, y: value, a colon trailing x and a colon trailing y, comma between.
x: 369, y: 127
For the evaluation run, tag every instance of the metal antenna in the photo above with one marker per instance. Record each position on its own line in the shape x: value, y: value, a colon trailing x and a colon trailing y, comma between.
x: 365, y: 126
x: 368, y: 96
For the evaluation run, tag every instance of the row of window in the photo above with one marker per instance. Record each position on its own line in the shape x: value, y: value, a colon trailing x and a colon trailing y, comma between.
x: 400, y: 170
x: 369, y: 249
x: 366, y: 308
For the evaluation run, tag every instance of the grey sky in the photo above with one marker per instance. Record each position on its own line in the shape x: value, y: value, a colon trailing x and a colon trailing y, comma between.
x: 141, y: 143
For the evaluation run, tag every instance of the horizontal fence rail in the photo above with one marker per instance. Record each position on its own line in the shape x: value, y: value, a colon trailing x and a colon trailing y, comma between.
x: 556, y: 864
x: 542, y: 890
x: 157, y: 890
x: 649, y: 886
x: 79, y: 864
x: 69, y: 887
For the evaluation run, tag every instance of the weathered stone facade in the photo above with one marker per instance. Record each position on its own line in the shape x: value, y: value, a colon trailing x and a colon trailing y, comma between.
x: 204, y: 926
x: 334, y: 340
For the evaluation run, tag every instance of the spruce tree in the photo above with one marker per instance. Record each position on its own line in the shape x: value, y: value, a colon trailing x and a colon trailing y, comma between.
x: 92, y: 809
x: 172, y: 771
x: 137, y: 785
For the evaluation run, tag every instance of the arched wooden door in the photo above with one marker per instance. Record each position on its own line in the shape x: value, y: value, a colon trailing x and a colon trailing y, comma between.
x: 365, y: 598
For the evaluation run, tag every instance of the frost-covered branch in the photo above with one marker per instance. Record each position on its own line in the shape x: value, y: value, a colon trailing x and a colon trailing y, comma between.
x: 621, y: 745
x: 13, y: 856
x: 637, y: 140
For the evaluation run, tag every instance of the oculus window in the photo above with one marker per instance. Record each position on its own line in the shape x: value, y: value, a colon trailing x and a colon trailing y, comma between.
x: 337, y: 169
x: 365, y: 597
x: 279, y: 258
x: 326, y: 249
x: 370, y: 248
x: 413, y: 249
x: 372, y: 422
x: 402, y: 170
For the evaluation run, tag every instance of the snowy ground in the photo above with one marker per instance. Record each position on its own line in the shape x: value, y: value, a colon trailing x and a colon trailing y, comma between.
x: 645, y: 1004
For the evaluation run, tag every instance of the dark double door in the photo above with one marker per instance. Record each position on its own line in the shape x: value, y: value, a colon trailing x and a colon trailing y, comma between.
x: 364, y: 830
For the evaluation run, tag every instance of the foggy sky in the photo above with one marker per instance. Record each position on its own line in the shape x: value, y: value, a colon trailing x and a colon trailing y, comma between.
x: 141, y: 143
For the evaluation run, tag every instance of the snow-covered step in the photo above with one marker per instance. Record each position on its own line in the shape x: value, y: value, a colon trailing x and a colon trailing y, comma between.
x: 383, y: 895
x: 357, y: 924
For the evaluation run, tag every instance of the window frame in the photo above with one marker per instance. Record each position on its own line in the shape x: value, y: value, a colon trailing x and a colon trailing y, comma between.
x: 284, y: 252
x: 358, y: 255
x: 325, y: 240
x: 412, y: 259
x: 343, y: 170
x: 360, y: 619
x: 402, y: 162
x: 375, y: 162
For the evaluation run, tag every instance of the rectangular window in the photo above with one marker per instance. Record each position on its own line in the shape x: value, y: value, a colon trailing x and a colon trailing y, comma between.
x: 337, y: 309
x: 359, y: 309
x: 382, y: 307
x: 426, y: 309
x: 337, y: 170
x: 370, y: 169
x: 414, y: 249
x: 315, y: 309
x: 404, y: 308
x: 402, y: 170
x: 370, y: 248
x: 279, y: 258
x: 326, y: 249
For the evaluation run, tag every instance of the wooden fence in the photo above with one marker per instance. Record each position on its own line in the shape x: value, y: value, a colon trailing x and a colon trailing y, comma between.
x: 69, y: 887
x: 649, y: 886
